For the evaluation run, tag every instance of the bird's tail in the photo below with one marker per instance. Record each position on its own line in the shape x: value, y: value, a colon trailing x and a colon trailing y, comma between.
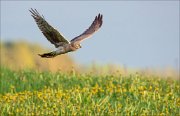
x: 48, y: 55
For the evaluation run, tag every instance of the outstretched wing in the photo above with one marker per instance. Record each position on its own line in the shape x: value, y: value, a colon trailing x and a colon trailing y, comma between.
x: 48, y: 31
x: 92, y: 29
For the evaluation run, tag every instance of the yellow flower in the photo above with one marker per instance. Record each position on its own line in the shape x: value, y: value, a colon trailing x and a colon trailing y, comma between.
x: 17, y: 110
x: 141, y: 88
x: 124, y: 90
x: 150, y: 88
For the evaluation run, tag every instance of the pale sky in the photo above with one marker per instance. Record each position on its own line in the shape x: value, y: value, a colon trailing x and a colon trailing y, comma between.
x: 134, y: 33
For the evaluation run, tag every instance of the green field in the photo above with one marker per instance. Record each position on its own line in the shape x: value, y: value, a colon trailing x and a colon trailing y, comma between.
x: 28, y: 92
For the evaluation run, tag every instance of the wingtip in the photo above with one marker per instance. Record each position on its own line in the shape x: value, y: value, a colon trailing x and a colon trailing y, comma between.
x: 40, y: 55
x: 100, y: 16
x: 31, y: 9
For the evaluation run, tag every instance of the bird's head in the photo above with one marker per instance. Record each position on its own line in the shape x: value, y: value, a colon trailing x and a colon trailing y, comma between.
x: 77, y: 46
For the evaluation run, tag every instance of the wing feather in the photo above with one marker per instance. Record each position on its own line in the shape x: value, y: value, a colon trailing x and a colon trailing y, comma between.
x: 96, y: 24
x: 48, y: 31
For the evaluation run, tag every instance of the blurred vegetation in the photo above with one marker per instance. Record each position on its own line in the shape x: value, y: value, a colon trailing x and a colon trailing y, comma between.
x: 23, y: 55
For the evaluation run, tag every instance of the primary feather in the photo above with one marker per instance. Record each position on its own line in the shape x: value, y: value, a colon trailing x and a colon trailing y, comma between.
x: 92, y: 29
x: 48, y: 31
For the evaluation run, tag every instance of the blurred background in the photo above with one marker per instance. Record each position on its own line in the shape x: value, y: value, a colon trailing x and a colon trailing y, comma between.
x: 141, y: 35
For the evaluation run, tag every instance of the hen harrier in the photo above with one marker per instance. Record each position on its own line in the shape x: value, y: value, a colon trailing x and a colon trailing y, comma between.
x: 63, y: 46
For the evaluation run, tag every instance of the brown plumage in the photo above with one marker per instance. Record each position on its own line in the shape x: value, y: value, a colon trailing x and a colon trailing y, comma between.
x: 58, y: 40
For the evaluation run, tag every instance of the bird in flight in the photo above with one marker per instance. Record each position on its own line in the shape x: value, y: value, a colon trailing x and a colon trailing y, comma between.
x: 63, y: 46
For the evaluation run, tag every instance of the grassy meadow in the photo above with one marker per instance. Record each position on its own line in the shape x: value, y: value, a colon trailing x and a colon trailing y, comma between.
x: 30, y: 85
x: 29, y: 92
